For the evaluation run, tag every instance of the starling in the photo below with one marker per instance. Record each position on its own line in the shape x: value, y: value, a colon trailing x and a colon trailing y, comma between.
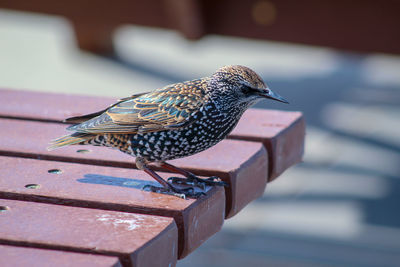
x: 175, y: 121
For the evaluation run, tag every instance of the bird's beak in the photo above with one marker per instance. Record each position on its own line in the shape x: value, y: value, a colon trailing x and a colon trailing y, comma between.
x: 268, y: 93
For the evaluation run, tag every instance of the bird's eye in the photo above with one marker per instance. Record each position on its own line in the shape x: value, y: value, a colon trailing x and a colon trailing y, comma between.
x: 246, y: 89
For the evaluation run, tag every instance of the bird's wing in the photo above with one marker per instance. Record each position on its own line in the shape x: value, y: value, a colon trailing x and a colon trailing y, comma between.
x: 80, y: 119
x: 171, y: 107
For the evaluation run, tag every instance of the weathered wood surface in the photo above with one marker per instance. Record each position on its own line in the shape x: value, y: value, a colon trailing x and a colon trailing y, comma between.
x: 132, y: 237
x: 13, y: 256
x: 111, y: 189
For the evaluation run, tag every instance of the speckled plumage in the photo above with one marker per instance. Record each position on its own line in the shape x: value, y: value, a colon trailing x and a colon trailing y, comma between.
x: 175, y: 121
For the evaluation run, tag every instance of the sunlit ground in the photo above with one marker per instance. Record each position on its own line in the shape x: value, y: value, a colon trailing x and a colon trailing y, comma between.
x: 338, y: 208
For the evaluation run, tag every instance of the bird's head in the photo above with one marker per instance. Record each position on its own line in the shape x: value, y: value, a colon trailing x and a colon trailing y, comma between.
x: 242, y: 85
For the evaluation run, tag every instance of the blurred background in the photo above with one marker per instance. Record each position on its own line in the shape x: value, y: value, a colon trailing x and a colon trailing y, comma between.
x: 337, y: 62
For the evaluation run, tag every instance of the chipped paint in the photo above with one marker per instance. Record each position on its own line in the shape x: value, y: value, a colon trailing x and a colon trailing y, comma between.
x: 132, y: 221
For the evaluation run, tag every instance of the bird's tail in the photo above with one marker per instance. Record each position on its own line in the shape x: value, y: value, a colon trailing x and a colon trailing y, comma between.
x: 72, y: 139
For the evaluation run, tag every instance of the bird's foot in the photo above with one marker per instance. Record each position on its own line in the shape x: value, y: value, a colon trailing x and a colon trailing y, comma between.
x: 184, y: 193
x: 193, y: 180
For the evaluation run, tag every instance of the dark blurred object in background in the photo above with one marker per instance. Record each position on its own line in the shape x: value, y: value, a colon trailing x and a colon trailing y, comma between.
x: 362, y: 25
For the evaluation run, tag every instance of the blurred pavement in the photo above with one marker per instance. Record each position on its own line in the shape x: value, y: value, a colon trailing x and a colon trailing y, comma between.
x: 338, y: 208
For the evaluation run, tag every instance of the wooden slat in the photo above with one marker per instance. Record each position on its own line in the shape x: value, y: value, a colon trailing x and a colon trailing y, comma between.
x: 243, y: 165
x: 48, y: 106
x: 112, y: 189
x: 11, y: 256
x: 281, y: 132
x: 134, y: 238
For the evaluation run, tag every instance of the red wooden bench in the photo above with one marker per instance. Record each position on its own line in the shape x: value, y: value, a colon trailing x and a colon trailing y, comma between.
x: 338, y: 24
x: 85, y: 204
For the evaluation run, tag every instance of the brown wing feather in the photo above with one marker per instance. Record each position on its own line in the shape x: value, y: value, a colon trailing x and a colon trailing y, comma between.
x: 166, y: 108
x: 83, y: 118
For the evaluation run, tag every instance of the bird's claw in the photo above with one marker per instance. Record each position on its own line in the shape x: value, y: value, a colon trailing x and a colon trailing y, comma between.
x: 187, y: 181
x: 189, y: 192
x: 180, y: 181
x: 211, y: 181
x: 184, y: 193
x: 199, y: 182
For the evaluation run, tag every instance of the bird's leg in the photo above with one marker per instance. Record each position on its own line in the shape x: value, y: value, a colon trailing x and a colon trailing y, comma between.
x: 191, y: 178
x: 167, y: 187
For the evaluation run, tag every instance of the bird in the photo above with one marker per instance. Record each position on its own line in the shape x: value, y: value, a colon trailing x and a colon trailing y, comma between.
x: 172, y: 122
